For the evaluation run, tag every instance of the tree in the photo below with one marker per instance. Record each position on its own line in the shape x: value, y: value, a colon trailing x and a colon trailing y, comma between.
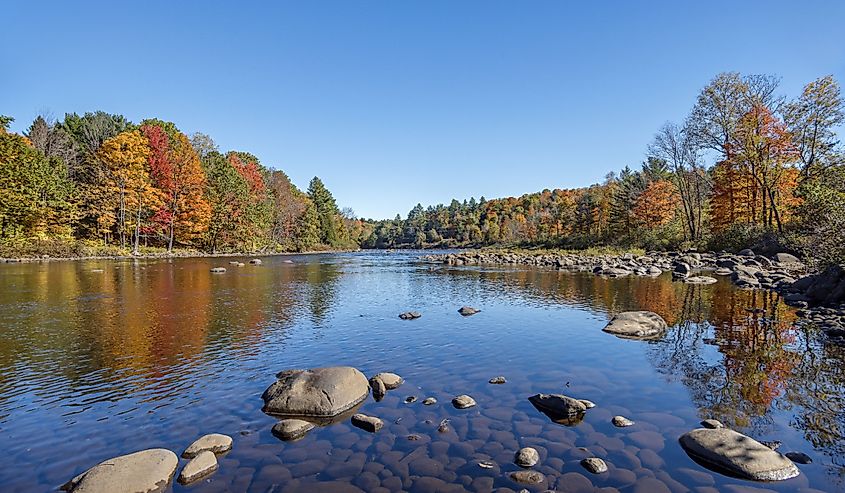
x: 289, y: 205
x: 812, y: 120
x: 327, y: 212
x: 176, y: 171
x: 126, y: 158
x: 656, y: 205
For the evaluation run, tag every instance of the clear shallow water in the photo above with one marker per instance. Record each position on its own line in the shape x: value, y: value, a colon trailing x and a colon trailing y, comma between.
x: 156, y: 353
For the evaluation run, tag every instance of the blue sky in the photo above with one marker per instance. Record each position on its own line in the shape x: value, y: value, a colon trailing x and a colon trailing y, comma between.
x: 393, y: 103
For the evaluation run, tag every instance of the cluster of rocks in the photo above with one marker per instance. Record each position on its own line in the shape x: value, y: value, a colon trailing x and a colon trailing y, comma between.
x: 152, y: 469
x: 466, y: 311
x: 236, y: 263
x: 821, y: 295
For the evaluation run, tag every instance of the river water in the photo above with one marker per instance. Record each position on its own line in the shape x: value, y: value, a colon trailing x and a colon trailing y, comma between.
x: 104, y: 358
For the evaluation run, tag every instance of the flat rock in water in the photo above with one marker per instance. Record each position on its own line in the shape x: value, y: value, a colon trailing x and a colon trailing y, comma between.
x: 526, y: 457
x: 200, y: 466
x: 292, y: 429
x: 498, y: 380
x: 636, y: 325
x: 367, y: 423
x: 410, y: 315
x: 214, y: 442
x: 558, y: 404
x: 594, y: 465
x: 468, y: 310
x: 528, y: 477
x: 700, y: 280
x: 429, y: 401
x: 317, y: 393
x: 147, y: 471
x: 621, y: 421
x: 463, y: 402
x: 218, y: 270
x: 391, y: 380
x: 736, y: 453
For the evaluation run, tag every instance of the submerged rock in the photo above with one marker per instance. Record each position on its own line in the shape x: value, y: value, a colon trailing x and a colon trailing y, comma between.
x: 798, y: 457
x: 463, y: 402
x: 317, y: 393
x: 528, y: 477
x: 367, y: 423
x: 214, y: 442
x: 594, y: 465
x: 700, y: 280
x: 148, y: 471
x: 636, y: 325
x: 292, y: 429
x: 468, y: 310
x: 738, y: 454
x: 410, y: 315
x: 202, y: 465
x: 526, y: 457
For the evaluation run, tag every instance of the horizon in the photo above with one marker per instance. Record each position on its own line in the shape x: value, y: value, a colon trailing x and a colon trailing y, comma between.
x: 447, y: 100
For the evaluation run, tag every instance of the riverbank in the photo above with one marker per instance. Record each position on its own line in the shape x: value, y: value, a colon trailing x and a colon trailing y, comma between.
x: 165, y: 255
x: 820, y: 296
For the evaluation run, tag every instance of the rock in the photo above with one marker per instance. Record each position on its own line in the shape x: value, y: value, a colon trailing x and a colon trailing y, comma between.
x: 317, y: 393
x: 391, y: 381
x: 379, y: 389
x: 700, y: 280
x: 241, y: 264
x: 410, y: 399
x: 636, y: 325
x: 429, y: 401
x: 218, y: 270
x: 498, y: 380
x: 747, y: 252
x: 463, y: 402
x: 594, y: 465
x: 410, y: 315
x: 682, y: 269
x: 202, y: 465
x: 587, y: 404
x: 147, y: 471
x: 798, y: 457
x: 739, y: 454
x: 785, y: 258
x: 233, y: 262
x: 214, y: 442
x: 722, y: 271
x: 367, y: 423
x: 526, y: 457
x: 712, y: 424
x: 621, y: 421
x: 772, y: 444
x: 292, y: 429
x: 528, y: 477
x: 557, y: 404
x: 255, y: 261
x: 613, y: 272
x: 468, y: 310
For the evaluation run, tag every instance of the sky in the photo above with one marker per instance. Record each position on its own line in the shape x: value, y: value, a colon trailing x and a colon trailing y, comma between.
x: 394, y: 103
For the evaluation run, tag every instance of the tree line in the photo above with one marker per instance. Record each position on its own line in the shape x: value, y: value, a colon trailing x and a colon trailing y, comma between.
x: 100, y: 184
x: 747, y: 166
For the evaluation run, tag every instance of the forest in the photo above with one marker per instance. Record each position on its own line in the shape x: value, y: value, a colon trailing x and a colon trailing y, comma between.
x: 747, y: 167
x: 98, y: 184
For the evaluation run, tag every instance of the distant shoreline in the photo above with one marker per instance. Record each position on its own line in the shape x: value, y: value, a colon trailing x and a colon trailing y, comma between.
x: 147, y: 256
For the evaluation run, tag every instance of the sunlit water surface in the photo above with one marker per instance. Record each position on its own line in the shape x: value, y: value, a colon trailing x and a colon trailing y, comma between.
x: 103, y: 358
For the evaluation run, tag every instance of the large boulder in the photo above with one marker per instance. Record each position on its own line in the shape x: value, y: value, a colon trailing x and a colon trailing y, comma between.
x: 725, y: 449
x: 317, y: 393
x: 827, y: 287
x: 636, y: 325
x: 146, y: 471
x: 558, y: 404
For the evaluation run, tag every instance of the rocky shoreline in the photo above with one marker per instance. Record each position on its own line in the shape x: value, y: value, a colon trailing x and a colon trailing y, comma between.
x: 164, y: 255
x: 820, y: 296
